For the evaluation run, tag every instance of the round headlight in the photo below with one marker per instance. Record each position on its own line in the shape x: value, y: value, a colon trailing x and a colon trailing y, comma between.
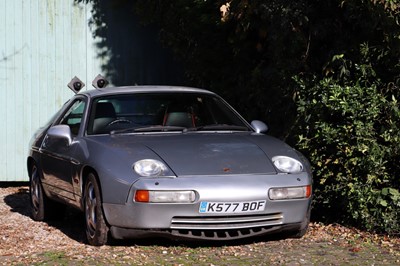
x: 287, y: 164
x: 150, y: 167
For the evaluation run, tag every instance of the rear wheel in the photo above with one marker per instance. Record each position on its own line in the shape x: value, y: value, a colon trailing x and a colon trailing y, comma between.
x: 36, y: 193
x: 42, y: 208
x: 96, y: 227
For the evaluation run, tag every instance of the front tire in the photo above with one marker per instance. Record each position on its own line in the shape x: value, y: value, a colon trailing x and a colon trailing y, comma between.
x: 303, y: 230
x: 96, y: 227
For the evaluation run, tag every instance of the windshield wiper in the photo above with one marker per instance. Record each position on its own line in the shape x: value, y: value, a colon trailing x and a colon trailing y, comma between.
x: 220, y: 127
x: 148, y: 129
x: 158, y: 128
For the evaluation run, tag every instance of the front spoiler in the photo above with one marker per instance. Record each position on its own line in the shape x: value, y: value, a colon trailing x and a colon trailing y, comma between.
x: 208, y: 235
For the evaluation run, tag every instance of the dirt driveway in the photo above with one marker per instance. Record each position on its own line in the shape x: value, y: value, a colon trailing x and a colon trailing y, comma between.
x: 25, y: 242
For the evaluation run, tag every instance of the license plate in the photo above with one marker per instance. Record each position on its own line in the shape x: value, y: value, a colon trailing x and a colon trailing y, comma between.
x: 232, y: 207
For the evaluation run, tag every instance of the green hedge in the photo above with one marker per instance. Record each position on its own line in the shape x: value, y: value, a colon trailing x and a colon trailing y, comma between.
x: 351, y: 134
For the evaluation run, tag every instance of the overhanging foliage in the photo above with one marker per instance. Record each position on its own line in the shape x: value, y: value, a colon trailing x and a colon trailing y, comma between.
x: 324, y: 74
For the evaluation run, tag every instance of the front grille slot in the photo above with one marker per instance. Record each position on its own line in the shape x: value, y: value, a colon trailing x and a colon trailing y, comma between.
x: 226, y: 222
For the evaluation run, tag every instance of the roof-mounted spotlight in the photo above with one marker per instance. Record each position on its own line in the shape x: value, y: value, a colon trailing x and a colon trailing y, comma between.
x: 99, y: 82
x: 76, y: 84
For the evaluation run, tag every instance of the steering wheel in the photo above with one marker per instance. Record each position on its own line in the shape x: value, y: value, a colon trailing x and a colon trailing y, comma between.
x: 119, y: 121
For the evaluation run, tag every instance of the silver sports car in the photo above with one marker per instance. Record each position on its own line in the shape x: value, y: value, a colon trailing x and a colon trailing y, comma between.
x: 166, y: 161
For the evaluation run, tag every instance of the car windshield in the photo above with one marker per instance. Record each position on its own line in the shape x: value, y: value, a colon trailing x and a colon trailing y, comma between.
x: 150, y: 112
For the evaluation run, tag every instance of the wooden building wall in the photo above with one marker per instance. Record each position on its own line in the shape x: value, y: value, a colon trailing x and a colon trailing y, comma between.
x: 43, y: 44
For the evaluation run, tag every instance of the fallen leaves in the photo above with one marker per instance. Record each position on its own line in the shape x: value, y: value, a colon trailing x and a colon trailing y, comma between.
x: 24, y: 241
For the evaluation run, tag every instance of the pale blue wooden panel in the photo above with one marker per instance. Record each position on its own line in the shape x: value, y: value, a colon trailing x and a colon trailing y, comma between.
x: 44, y: 56
x: 43, y: 44
x: 34, y: 80
x: 12, y: 51
x: 27, y: 70
x: 16, y: 117
x: 3, y: 78
x: 59, y: 27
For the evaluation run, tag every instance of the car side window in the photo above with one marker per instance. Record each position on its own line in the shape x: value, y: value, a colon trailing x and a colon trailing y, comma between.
x: 73, y: 116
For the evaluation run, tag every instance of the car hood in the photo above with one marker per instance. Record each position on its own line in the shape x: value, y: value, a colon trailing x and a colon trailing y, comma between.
x: 196, y: 154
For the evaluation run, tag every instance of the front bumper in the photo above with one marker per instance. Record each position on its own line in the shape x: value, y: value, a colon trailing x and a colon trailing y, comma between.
x: 135, y: 220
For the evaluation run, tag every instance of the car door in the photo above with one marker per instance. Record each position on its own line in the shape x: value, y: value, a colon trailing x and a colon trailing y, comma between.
x: 57, y: 155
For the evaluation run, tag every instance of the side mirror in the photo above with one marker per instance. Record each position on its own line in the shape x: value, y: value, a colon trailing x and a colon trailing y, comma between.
x: 61, y: 132
x: 259, y: 126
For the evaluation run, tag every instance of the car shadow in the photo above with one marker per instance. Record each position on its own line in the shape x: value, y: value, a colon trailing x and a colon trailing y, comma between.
x: 72, y: 225
x: 19, y: 201
x: 167, y: 242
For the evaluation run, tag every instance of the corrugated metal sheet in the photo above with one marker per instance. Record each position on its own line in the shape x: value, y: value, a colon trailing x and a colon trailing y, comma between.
x: 43, y: 44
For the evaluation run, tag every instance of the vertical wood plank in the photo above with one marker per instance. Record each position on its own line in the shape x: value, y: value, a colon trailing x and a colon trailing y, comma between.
x: 10, y: 92
x: 17, y: 115
x: 3, y: 85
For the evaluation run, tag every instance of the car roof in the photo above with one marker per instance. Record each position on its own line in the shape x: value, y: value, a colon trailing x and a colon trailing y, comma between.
x: 141, y: 89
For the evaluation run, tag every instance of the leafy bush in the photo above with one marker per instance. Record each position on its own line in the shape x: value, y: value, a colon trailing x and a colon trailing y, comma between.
x: 350, y: 131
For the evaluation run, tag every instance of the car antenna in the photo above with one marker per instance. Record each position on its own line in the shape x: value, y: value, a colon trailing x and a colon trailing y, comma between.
x: 76, y: 84
x: 100, y: 82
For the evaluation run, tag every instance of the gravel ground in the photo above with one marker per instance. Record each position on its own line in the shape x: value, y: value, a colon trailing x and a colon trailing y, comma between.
x: 26, y: 242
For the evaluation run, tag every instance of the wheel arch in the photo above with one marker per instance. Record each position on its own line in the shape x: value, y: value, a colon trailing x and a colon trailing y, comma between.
x: 84, y: 176
x: 29, y: 163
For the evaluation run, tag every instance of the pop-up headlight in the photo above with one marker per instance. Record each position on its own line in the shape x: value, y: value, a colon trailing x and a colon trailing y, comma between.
x: 287, y: 164
x: 150, y: 167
